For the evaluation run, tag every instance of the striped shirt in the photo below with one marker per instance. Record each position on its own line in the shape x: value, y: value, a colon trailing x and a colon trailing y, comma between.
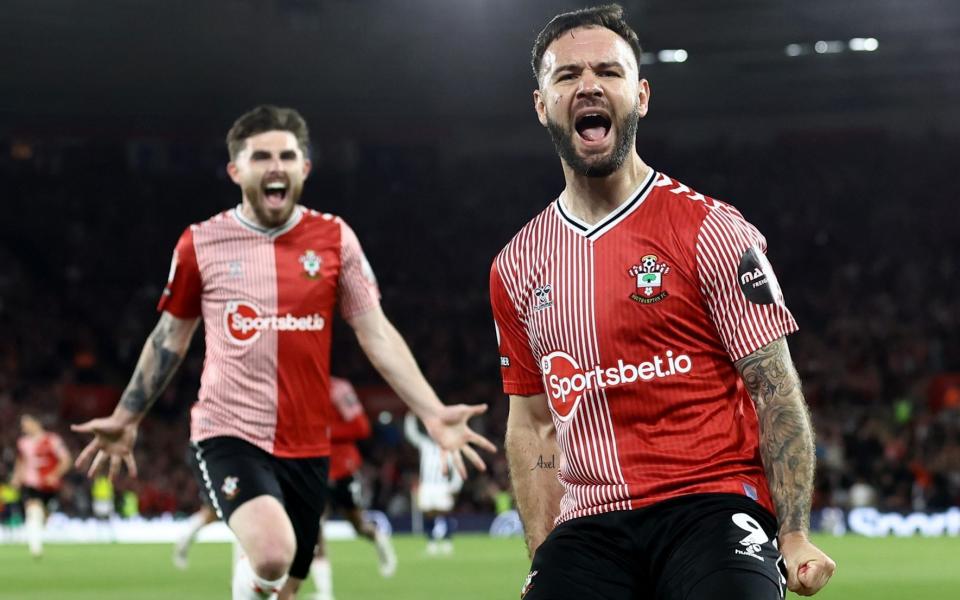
x: 431, y: 464
x: 350, y: 425
x: 39, y: 457
x: 631, y: 327
x: 267, y: 299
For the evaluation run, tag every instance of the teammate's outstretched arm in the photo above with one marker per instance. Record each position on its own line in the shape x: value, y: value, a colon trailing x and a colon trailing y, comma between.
x: 115, y: 435
x: 532, y: 452
x: 391, y: 357
x: 787, y: 449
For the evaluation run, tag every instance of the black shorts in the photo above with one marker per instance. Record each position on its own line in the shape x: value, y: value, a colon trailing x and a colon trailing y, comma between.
x: 235, y: 471
x: 44, y: 496
x: 697, y: 547
x: 193, y: 462
x: 344, y: 494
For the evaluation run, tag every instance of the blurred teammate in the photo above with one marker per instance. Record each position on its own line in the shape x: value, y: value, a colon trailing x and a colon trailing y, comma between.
x: 436, y: 490
x: 42, y: 461
x: 350, y: 425
x: 637, y: 319
x: 205, y: 515
x: 266, y: 278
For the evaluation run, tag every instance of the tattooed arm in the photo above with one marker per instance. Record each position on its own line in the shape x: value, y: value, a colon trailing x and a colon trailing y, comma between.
x: 532, y: 455
x: 114, y: 436
x: 787, y: 449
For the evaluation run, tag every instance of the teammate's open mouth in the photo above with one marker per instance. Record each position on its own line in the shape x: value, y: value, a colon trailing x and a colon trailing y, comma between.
x: 593, y: 127
x: 275, y: 193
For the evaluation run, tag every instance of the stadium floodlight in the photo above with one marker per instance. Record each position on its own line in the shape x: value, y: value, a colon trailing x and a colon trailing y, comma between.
x: 648, y: 58
x: 829, y: 47
x: 795, y: 49
x: 673, y: 55
x: 864, y: 44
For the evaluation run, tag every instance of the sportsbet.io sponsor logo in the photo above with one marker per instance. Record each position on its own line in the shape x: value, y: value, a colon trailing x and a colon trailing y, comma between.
x: 244, y: 321
x: 566, y: 381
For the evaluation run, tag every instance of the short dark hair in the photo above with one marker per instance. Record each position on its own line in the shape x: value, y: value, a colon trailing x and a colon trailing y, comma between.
x: 609, y: 16
x: 263, y: 118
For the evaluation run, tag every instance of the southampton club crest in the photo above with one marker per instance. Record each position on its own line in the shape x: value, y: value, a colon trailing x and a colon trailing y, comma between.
x: 311, y: 264
x: 649, y: 276
x: 230, y: 487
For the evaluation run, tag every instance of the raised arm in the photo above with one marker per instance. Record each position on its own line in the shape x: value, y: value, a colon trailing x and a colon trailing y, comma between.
x: 391, y: 357
x: 532, y: 455
x: 410, y: 430
x: 115, y: 435
x: 787, y: 449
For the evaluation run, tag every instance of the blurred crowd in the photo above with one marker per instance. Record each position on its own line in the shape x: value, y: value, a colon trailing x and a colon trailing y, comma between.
x: 861, y: 229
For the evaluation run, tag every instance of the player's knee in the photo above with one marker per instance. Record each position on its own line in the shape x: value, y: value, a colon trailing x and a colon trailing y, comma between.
x: 272, y: 560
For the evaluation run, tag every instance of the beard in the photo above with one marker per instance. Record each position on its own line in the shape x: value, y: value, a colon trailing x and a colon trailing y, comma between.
x: 600, y: 166
x: 270, y: 217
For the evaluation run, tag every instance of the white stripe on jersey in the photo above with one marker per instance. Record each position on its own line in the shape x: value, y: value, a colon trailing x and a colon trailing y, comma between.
x: 590, y: 472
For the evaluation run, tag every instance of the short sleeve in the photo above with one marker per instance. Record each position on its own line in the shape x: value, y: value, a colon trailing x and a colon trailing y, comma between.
x: 182, y: 294
x: 739, y: 286
x: 518, y: 367
x: 357, y: 290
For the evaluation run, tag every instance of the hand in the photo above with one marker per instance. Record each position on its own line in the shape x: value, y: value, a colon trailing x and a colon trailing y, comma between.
x: 448, y: 427
x: 113, y: 438
x: 808, y: 568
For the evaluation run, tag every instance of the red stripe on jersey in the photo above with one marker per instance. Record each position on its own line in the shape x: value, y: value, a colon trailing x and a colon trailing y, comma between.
x: 304, y: 412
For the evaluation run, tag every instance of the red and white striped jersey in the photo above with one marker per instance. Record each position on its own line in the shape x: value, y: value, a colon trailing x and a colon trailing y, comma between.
x: 39, y: 457
x: 267, y: 299
x: 631, y: 328
x: 350, y: 425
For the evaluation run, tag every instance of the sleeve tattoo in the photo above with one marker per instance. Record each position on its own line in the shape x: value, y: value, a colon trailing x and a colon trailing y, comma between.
x: 154, y: 370
x: 786, y: 435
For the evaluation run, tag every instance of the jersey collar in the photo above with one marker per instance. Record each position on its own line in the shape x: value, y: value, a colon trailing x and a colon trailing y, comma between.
x: 274, y: 232
x: 633, y: 201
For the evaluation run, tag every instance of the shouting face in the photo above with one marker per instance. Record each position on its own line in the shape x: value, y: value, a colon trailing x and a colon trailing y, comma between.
x: 590, y: 99
x: 270, y: 170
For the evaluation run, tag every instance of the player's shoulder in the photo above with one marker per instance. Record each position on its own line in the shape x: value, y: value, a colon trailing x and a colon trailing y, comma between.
x: 530, y: 239
x: 684, y: 204
x: 225, y: 218
x: 324, y: 223
x: 339, y: 384
x: 679, y: 198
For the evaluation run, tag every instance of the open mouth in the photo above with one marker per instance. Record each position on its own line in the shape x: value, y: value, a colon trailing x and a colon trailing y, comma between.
x: 593, y: 127
x: 275, y: 193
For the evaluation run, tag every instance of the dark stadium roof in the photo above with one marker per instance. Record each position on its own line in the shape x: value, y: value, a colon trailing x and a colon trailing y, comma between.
x: 431, y: 67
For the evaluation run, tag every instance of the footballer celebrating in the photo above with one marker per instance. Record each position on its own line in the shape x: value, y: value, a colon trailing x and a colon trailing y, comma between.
x: 642, y: 340
x: 266, y: 278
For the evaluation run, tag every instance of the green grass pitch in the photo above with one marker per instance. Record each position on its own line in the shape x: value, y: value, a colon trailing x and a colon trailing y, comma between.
x: 481, y: 568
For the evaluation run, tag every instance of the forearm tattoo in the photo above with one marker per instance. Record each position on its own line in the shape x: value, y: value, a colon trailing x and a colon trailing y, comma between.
x: 786, y: 435
x: 154, y: 370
